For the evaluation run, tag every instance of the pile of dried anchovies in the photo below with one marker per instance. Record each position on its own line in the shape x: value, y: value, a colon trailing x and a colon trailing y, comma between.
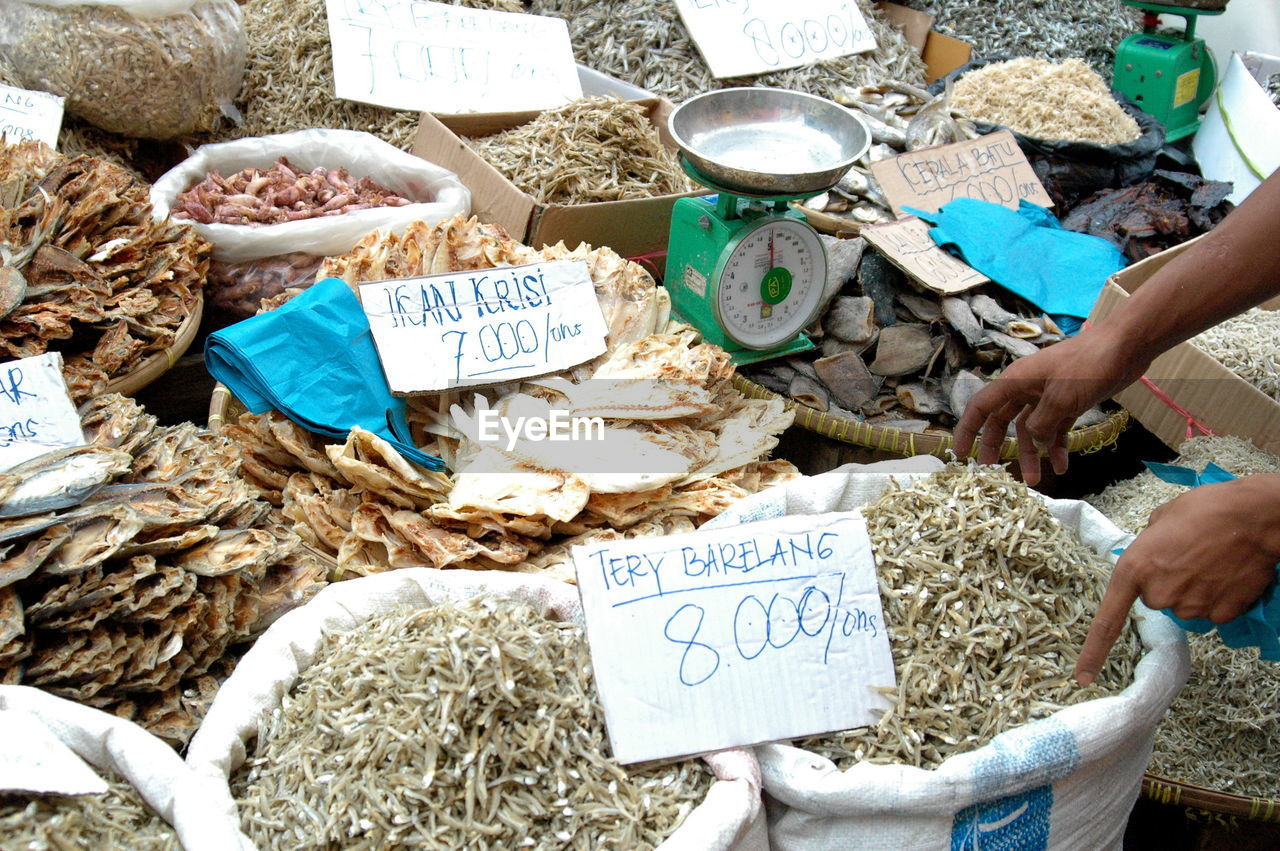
x: 988, y: 599
x: 1048, y: 29
x: 645, y: 43
x: 1223, y: 730
x: 474, y: 724
x: 592, y: 149
x: 1246, y: 345
x: 118, y: 819
x: 1129, y: 503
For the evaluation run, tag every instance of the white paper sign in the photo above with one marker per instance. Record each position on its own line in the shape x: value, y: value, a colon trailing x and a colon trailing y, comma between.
x: 412, y: 54
x: 26, y: 115
x: 485, y: 326
x: 738, y: 38
x: 36, y: 414
x: 736, y: 636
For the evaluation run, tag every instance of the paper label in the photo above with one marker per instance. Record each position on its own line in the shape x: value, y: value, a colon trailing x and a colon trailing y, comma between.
x: 736, y: 636
x: 36, y: 414
x: 990, y: 168
x: 413, y: 54
x: 35, y: 760
x: 26, y: 115
x: 908, y: 246
x: 1185, y: 90
x: 739, y: 38
x: 483, y: 327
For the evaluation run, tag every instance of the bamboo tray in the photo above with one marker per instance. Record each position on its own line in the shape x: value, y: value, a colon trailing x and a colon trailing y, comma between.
x: 156, y: 365
x: 892, y: 441
x: 1165, y: 791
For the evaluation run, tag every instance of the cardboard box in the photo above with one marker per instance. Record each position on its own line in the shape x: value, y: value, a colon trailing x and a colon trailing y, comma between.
x: 1213, y: 395
x: 631, y: 228
x: 942, y: 54
x: 1237, y: 139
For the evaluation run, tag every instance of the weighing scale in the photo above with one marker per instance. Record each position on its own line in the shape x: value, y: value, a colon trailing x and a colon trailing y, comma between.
x: 1169, y: 75
x: 744, y: 268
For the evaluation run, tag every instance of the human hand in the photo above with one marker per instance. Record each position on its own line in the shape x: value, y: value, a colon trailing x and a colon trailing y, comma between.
x: 1042, y: 395
x: 1210, y: 553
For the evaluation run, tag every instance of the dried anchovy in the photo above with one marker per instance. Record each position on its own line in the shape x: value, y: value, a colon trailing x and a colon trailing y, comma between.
x: 288, y: 78
x: 1129, y: 503
x: 1047, y: 29
x: 477, y: 724
x: 988, y: 599
x: 1223, y: 730
x: 1045, y: 100
x: 154, y: 78
x: 593, y: 149
x: 118, y: 819
x: 645, y: 43
x: 1246, y: 345
x: 1273, y: 88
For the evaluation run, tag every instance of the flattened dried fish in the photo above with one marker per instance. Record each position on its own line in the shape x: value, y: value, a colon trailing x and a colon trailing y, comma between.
x: 62, y: 478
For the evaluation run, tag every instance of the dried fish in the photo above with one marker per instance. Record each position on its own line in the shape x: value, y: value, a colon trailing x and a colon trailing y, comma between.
x: 807, y: 391
x: 851, y: 319
x: 62, y: 478
x: 592, y: 149
x: 118, y: 819
x: 903, y: 349
x: 469, y: 724
x: 961, y: 318
x: 852, y: 384
x: 987, y: 599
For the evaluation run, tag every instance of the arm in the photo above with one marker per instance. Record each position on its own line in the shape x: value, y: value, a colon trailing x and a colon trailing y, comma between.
x: 1235, y: 266
x: 1210, y: 553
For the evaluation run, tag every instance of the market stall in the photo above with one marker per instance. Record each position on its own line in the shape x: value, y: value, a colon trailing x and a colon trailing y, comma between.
x: 583, y: 382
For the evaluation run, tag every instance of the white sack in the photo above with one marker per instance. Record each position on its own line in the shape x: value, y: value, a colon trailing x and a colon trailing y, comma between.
x: 1067, y: 781
x: 169, y: 787
x: 731, y: 817
x: 361, y: 154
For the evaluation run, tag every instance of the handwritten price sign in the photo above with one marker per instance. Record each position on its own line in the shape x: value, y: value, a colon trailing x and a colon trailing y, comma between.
x: 482, y: 327
x: 736, y: 636
x: 414, y: 54
x: 743, y: 37
x: 36, y: 414
x: 907, y: 244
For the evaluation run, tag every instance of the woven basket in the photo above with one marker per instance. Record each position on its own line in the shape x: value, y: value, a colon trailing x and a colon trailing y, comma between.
x: 1164, y: 791
x: 151, y: 368
x: 894, y: 441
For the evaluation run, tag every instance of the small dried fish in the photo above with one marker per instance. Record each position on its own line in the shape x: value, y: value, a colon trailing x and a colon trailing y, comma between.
x: 118, y: 819
x: 62, y: 478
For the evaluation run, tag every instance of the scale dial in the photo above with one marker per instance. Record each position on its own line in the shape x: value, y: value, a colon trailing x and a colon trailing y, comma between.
x: 769, y: 282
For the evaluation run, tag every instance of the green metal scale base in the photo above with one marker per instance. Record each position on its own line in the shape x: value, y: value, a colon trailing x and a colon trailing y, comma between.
x: 747, y: 271
x: 1168, y: 75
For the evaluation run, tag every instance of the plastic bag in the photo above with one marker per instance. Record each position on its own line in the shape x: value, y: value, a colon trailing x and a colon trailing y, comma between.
x: 109, y: 743
x: 235, y: 290
x: 438, y: 193
x: 731, y: 816
x: 1065, y: 781
x: 154, y: 69
x: 1071, y: 171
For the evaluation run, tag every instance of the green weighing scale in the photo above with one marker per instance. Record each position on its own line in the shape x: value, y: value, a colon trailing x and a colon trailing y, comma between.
x: 744, y: 268
x: 1168, y: 75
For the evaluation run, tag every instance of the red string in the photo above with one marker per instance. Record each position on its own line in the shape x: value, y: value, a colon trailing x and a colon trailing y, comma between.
x: 1193, y: 424
x: 650, y: 262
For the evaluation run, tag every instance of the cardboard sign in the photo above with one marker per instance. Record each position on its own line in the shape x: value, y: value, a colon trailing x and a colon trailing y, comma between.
x: 990, y: 168
x: 485, y: 326
x: 27, y: 115
x: 739, y: 37
x: 36, y: 414
x: 908, y: 246
x: 736, y: 636
x: 412, y: 54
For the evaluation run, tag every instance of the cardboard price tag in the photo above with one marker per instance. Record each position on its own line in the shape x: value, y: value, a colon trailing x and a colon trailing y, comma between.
x: 484, y: 327
x: 990, y: 168
x: 736, y: 636
x: 739, y: 38
x: 413, y: 54
x: 26, y: 115
x: 36, y: 414
x: 908, y: 246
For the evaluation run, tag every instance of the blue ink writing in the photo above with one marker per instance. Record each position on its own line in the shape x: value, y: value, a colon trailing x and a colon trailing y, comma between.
x: 11, y: 389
